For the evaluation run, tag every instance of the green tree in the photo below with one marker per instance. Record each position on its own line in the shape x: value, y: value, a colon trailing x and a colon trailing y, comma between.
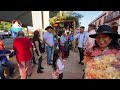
x: 74, y: 15
x: 67, y: 15
x: 1, y: 27
x: 5, y: 26
x: 53, y: 13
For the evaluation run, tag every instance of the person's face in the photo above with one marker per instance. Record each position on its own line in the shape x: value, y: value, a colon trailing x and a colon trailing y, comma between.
x: 81, y: 30
x: 49, y: 30
x: 103, y: 40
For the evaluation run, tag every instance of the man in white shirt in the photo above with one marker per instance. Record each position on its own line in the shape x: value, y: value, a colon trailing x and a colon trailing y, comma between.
x: 81, y: 42
x: 90, y: 41
x: 49, y: 42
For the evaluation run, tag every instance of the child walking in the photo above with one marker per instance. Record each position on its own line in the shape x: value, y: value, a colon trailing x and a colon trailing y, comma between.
x: 57, y: 65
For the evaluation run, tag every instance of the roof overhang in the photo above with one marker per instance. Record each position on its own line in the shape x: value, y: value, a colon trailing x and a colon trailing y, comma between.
x: 25, y: 17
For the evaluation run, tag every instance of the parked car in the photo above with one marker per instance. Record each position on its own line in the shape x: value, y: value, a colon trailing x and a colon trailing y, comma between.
x: 4, y: 34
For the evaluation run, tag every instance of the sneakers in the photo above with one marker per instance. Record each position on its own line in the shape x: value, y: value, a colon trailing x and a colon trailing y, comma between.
x: 42, y: 68
x: 49, y: 63
x: 11, y: 76
x: 39, y: 71
x: 81, y: 63
x: 28, y: 77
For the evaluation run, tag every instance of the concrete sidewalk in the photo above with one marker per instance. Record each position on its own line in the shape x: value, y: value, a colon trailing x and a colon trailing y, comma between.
x: 72, y: 70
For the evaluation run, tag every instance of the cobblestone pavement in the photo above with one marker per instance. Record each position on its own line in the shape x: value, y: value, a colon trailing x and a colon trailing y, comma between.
x: 72, y: 70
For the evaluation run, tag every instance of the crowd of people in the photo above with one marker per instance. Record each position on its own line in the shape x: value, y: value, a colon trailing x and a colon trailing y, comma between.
x: 92, y: 44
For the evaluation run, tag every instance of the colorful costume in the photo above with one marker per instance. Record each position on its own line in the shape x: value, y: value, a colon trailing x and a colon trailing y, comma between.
x: 16, y: 26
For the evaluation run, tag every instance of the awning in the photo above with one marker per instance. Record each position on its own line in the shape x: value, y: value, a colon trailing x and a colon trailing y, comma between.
x: 25, y: 17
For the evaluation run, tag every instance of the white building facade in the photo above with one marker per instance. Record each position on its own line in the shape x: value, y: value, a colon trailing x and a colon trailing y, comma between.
x: 40, y: 20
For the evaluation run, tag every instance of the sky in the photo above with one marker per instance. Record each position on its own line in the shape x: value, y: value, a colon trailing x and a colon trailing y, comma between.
x: 89, y: 16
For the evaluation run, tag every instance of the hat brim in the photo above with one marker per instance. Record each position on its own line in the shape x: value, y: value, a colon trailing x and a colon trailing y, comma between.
x: 49, y: 27
x: 113, y: 35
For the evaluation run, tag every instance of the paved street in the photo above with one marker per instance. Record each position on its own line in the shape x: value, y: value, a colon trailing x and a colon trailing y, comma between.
x: 72, y: 70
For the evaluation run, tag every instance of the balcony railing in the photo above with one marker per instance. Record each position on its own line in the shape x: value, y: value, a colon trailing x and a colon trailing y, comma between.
x: 111, y: 16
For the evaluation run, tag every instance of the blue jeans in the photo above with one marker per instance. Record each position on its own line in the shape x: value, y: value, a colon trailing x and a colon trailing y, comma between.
x: 11, y: 69
x: 10, y: 65
x: 49, y: 54
x: 2, y: 72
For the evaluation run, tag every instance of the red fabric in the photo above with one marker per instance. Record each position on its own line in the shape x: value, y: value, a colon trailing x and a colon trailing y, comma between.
x: 22, y: 47
x: 1, y: 45
x: 97, y: 52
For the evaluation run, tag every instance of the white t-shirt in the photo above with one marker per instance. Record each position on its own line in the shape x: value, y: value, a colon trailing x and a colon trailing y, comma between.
x: 49, y: 38
x: 60, y: 66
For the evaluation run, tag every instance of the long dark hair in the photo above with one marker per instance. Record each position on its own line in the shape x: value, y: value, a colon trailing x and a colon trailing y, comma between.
x: 114, y: 44
x: 55, y: 57
x: 36, y: 36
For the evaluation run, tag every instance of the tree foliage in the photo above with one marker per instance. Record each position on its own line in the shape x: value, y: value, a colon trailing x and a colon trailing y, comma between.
x: 75, y: 14
x: 5, y: 26
x: 66, y: 15
x: 53, y: 13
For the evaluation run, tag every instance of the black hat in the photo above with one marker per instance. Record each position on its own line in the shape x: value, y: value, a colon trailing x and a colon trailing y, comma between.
x: 48, y: 27
x: 106, y: 30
